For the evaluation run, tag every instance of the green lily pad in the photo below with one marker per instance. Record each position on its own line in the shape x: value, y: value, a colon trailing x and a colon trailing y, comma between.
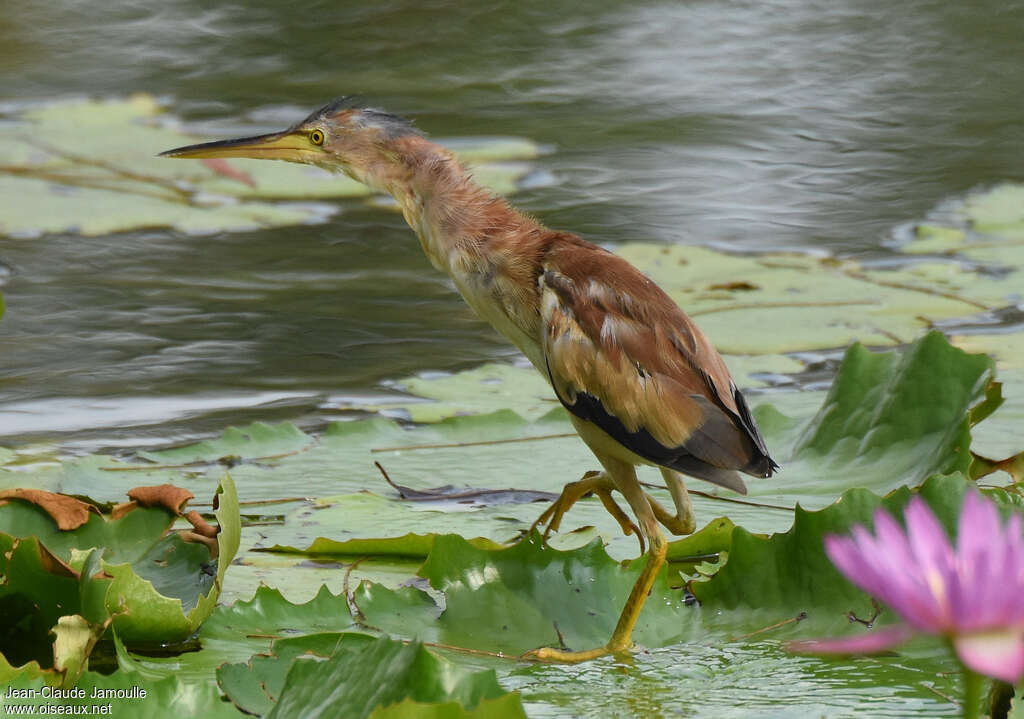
x: 999, y: 211
x: 738, y: 668
x: 828, y: 303
x: 355, y: 675
x: 529, y: 595
x: 906, y: 430
x: 162, y: 587
x: 255, y: 686
x: 506, y: 706
x: 477, y: 391
x: 1006, y: 348
x: 37, y: 592
x: 120, y: 692
x: 935, y: 239
x: 986, y: 226
x: 380, y: 673
x: 270, y: 615
x: 789, y: 573
x: 883, y: 424
x: 257, y: 441
x: 714, y: 537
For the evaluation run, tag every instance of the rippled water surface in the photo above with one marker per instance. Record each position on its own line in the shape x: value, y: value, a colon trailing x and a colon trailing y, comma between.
x: 750, y: 125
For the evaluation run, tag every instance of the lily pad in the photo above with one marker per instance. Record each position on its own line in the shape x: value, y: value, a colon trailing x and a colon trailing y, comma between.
x: 257, y: 441
x: 270, y: 615
x: 356, y: 675
x: 821, y: 303
x: 1006, y: 348
x: 37, y: 592
x: 890, y: 419
x: 255, y: 686
x: 789, y: 573
x: 984, y: 235
x: 477, y: 391
x: 531, y: 595
x: 999, y: 211
x: 883, y: 424
x: 506, y: 706
x: 127, y: 692
x: 161, y: 588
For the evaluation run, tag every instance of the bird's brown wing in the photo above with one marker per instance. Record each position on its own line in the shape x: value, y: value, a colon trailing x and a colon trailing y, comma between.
x: 622, y: 355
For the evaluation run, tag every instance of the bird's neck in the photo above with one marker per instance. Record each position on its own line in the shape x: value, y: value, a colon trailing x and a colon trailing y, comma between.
x: 492, y: 252
x: 461, y: 226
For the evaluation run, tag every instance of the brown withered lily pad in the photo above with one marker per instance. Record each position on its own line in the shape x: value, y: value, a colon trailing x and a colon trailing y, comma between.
x: 167, y: 496
x: 69, y: 513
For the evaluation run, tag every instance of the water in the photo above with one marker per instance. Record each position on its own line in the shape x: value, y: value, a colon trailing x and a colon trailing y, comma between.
x: 749, y: 125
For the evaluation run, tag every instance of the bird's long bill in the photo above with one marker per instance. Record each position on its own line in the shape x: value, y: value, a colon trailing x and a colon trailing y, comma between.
x: 286, y: 145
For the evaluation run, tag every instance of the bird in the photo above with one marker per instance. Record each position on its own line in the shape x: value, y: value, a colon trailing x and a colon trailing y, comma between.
x: 641, y: 383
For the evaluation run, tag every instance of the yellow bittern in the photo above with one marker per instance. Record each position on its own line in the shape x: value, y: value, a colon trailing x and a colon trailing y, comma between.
x: 642, y: 384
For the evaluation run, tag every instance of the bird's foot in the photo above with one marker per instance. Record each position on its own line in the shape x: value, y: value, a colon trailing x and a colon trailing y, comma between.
x: 563, y: 656
x: 597, y: 483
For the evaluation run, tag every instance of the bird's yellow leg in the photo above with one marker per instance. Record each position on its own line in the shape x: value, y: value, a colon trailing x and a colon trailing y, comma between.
x: 598, y: 483
x: 624, y: 477
x: 684, y: 521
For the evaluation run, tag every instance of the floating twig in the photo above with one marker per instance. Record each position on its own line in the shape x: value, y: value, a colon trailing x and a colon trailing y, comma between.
x: 798, y: 618
x: 473, y: 444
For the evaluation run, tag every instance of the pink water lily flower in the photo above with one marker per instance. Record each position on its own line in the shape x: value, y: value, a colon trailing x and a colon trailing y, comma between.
x: 973, y: 594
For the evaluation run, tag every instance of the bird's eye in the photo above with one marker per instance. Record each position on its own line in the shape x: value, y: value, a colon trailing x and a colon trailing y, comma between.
x: 316, y: 137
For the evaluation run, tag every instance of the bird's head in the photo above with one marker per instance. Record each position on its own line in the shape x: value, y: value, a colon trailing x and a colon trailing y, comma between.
x: 338, y: 136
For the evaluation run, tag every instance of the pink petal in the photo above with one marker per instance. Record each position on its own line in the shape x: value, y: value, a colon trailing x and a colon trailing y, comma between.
x: 935, y: 560
x: 1009, y: 606
x: 872, y: 642
x: 849, y: 557
x: 995, y: 654
x: 901, y: 587
x: 990, y: 564
x: 978, y: 597
x: 886, y: 569
x: 862, y: 559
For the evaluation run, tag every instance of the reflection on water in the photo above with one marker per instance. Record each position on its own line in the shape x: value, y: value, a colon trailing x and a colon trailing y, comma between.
x: 751, y: 125
x: 697, y: 680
